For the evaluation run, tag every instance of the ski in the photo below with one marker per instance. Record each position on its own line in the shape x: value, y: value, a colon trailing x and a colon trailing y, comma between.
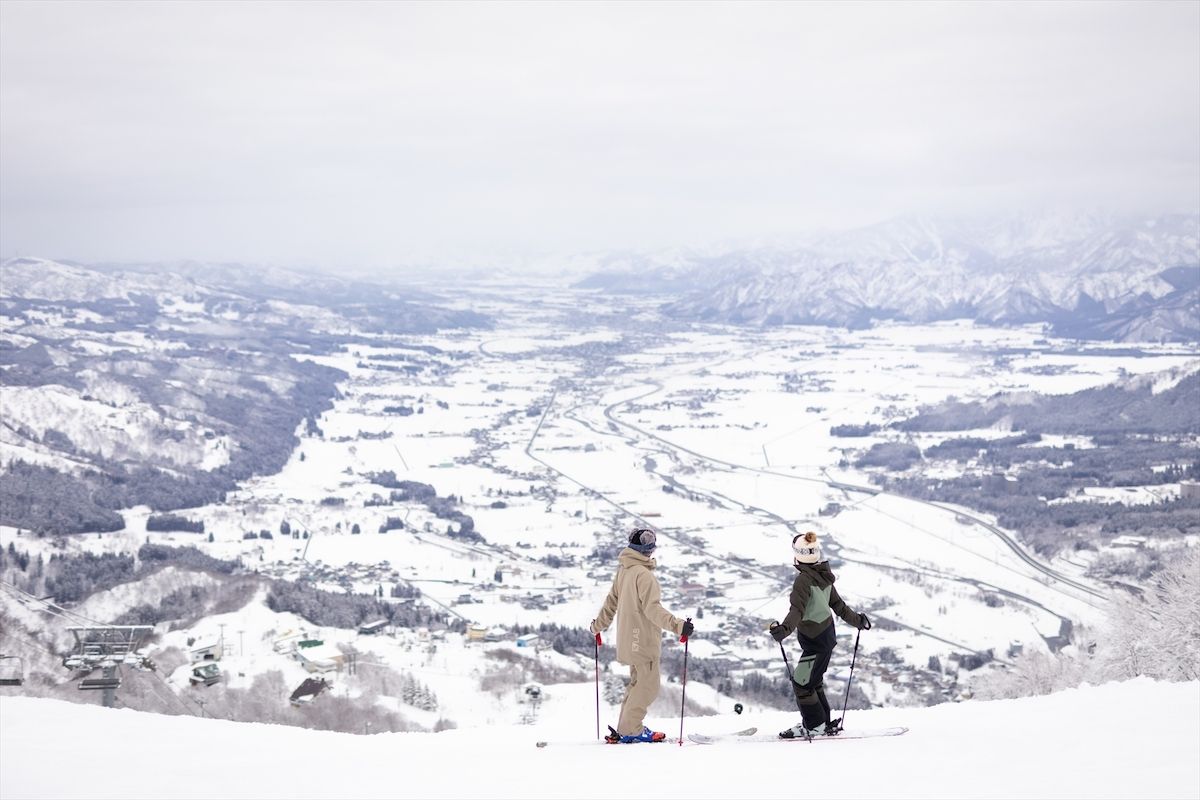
x: 701, y: 738
x: 709, y: 739
x: 588, y: 742
x: 851, y: 734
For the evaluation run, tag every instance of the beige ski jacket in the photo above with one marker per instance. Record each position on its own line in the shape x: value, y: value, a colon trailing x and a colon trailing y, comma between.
x: 635, y: 600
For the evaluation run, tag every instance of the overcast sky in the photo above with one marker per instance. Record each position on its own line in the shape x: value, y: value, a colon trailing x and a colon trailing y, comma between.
x: 384, y: 133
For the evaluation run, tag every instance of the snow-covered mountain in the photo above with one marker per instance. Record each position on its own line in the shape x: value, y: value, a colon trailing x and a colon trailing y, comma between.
x: 186, y: 376
x: 233, y: 292
x: 1061, y: 745
x: 1087, y: 275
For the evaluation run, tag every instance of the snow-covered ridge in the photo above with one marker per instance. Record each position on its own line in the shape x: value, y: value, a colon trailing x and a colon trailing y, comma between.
x: 1078, y: 272
x: 1061, y: 745
x: 43, y: 279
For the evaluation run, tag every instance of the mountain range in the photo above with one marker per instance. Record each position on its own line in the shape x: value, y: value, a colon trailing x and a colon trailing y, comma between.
x: 1085, y: 275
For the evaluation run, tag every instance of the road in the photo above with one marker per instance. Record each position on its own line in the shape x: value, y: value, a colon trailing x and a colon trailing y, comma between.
x: 637, y: 435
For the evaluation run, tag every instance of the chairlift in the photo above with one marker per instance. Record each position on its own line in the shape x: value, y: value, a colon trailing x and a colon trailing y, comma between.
x: 12, y: 670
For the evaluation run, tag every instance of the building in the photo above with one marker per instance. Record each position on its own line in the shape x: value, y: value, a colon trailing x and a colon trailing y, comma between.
x: 1189, y: 490
x: 1129, y: 541
x: 321, y: 657
x: 372, y: 628
x: 206, y: 650
x: 306, y: 692
x: 286, y: 644
x: 998, y: 483
x: 528, y: 640
x: 205, y: 674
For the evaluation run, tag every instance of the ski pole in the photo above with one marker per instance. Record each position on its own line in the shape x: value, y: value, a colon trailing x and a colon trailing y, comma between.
x: 850, y: 680
x: 683, y: 701
x: 786, y: 663
x: 791, y: 678
x: 598, y: 643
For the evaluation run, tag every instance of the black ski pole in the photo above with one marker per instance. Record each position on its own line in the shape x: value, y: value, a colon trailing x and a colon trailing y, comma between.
x: 598, y: 686
x: 683, y: 701
x: 786, y: 663
x: 850, y: 680
x: 791, y: 678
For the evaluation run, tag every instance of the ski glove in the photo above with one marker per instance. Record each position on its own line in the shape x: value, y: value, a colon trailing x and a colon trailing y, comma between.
x: 688, y: 627
x: 778, y: 632
x: 864, y: 622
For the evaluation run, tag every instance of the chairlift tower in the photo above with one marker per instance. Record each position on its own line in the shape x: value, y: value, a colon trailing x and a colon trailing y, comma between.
x: 106, y: 648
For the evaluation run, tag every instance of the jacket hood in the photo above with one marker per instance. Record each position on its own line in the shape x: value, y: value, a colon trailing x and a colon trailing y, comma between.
x: 632, y: 558
x: 821, y: 572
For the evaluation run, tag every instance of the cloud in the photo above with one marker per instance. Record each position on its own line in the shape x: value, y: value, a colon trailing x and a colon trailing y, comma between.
x: 370, y: 133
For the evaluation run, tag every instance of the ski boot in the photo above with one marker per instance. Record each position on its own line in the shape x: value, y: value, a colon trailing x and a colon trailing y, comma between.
x: 646, y: 735
x: 798, y: 731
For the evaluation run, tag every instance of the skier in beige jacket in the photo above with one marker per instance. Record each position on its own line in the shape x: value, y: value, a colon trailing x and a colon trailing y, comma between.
x: 635, y: 601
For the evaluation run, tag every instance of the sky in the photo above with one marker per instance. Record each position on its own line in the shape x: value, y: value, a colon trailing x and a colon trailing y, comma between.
x: 380, y: 134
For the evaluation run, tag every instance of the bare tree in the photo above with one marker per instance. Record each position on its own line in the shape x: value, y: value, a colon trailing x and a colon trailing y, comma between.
x: 1158, y: 634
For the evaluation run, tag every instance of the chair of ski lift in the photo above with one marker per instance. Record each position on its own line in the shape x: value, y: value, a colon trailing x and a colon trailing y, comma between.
x: 111, y: 679
x: 12, y: 671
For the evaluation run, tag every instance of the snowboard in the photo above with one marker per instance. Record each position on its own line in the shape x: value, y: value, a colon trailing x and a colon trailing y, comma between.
x: 864, y: 733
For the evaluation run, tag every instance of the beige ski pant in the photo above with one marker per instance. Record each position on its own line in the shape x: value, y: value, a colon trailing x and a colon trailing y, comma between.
x: 644, y: 683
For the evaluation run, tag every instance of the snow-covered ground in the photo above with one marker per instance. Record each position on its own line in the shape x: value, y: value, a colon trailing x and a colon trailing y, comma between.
x: 557, y: 437
x: 1078, y: 743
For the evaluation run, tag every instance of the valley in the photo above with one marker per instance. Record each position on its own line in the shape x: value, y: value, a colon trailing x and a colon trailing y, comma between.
x: 490, y: 475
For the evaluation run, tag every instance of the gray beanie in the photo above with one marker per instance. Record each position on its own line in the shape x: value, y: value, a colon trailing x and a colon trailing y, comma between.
x: 643, y: 540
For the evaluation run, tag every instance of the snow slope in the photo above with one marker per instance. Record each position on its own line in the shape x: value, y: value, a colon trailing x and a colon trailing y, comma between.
x: 1061, y: 745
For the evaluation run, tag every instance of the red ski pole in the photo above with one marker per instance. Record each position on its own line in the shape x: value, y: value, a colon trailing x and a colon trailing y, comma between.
x: 683, y: 701
x: 598, y: 643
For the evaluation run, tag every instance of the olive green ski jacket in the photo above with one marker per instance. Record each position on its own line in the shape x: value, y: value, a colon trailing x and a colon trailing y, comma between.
x: 813, y: 598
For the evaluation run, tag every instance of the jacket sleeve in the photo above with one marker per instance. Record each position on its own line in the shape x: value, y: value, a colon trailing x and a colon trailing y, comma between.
x: 801, y: 589
x: 650, y: 597
x: 607, y: 611
x: 841, y: 609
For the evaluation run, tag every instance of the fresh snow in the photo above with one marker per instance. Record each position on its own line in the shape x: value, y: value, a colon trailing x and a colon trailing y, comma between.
x: 1076, y: 743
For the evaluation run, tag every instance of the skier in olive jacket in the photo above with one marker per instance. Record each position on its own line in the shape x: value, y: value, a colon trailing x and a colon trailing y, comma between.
x: 635, y: 601
x: 812, y: 601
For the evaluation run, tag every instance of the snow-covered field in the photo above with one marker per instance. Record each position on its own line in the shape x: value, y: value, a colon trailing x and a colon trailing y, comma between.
x: 558, y: 437
x: 1079, y: 743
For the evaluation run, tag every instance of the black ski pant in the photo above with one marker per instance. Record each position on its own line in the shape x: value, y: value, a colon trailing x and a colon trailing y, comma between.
x: 808, y: 679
